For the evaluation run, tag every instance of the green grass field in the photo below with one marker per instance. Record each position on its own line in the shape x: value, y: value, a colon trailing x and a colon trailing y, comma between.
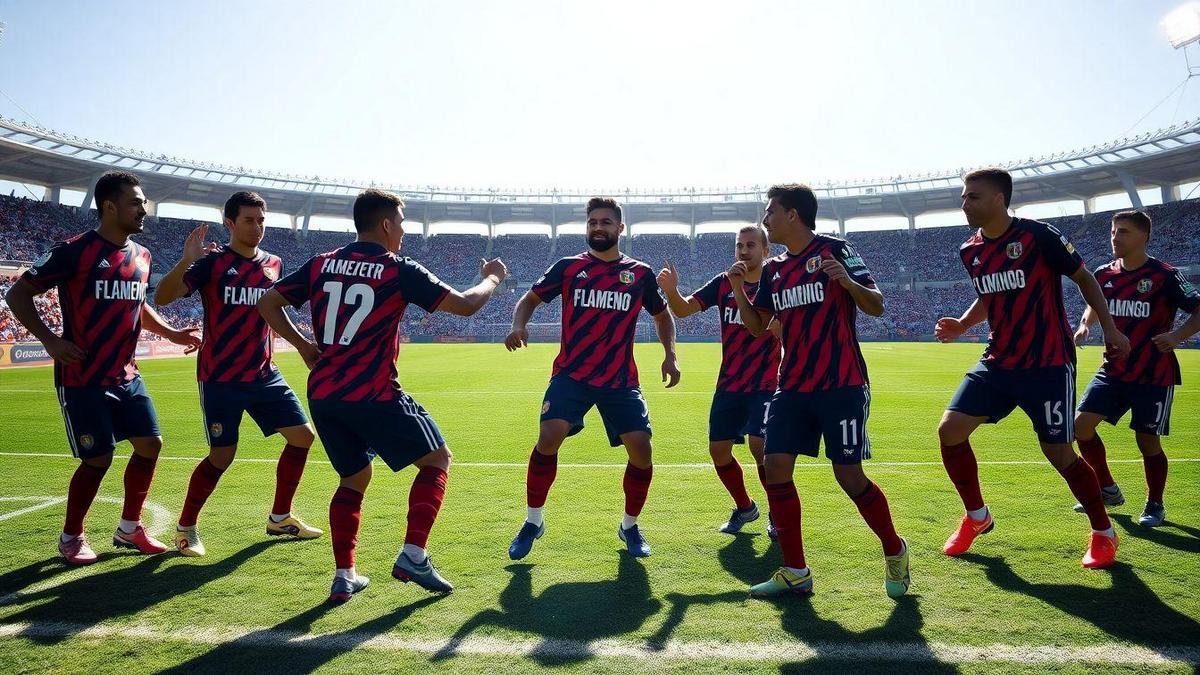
x: 1018, y: 602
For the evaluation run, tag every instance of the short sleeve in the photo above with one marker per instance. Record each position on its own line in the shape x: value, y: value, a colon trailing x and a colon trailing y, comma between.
x: 550, y: 285
x: 198, y: 273
x: 1183, y: 293
x: 709, y: 294
x: 57, y: 265
x: 652, y: 296
x: 763, y: 299
x: 420, y: 287
x: 1056, y: 250
x: 854, y: 264
x: 296, y: 287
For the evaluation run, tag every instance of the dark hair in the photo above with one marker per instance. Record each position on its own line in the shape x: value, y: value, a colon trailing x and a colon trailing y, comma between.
x: 110, y: 186
x: 761, y: 232
x: 1140, y: 219
x: 372, y: 206
x: 234, y: 204
x: 998, y: 178
x: 604, y: 203
x: 798, y: 197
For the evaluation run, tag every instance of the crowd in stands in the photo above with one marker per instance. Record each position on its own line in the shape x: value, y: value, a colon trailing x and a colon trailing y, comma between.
x: 900, y: 259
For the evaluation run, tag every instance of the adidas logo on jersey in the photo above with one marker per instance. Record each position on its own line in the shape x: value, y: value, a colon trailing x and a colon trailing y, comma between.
x: 776, y: 277
x: 975, y: 262
x: 230, y: 271
x: 104, y: 264
x: 582, y: 274
x: 1108, y: 284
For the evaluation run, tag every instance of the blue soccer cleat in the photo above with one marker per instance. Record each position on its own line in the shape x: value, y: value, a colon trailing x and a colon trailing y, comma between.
x: 634, y: 542
x: 343, y: 589
x: 423, y: 574
x: 1153, y: 515
x: 739, y: 517
x: 522, y: 544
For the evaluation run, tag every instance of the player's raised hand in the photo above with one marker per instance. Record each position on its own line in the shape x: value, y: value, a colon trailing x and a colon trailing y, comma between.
x: 194, y: 247
x: 188, y: 337
x: 1081, y: 334
x: 519, y: 337
x: 1166, y: 342
x: 836, y: 271
x: 670, y: 371
x: 668, y: 278
x: 1118, y: 345
x: 948, y: 329
x: 737, y: 274
x: 311, y: 353
x: 64, y: 351
x: 493, y: 268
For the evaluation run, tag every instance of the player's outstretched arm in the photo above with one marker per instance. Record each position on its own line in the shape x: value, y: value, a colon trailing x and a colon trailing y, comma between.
x: 171, y: 287
x: 518, y: 336
x: 949, y: 328
x: 1115, y: 340
x: 664, y: 325
x: 153, y: 322
x: 20, y: 302
x: 466, y: 303
x: 271, y: 305
x: 668, y: 281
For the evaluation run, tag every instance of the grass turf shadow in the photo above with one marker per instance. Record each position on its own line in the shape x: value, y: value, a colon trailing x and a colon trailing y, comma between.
x: 1188, y: 542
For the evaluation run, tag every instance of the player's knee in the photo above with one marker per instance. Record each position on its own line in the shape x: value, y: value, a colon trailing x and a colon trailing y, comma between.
x: 1085, y: 426
x: 440, y: 458
x: 147, y: 446
x: 1061, y: 455
x: 952, y: 430
x: 851, y: 478
x: 101, y: 462
x: 721, y: 453
x: 222, y: 457
x: 301, y: 436
x: 778, y: 468
x: 1148, y: 444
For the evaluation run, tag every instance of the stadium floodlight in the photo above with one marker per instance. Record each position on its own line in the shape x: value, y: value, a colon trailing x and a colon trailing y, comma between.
x: 1183, y: 25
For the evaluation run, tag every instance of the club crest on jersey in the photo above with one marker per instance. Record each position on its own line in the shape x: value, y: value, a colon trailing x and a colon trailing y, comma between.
x: 1014, y: 250
x: 86, y: 441
x: 269, y: 272
x: 545, y: 407
x: 1145, y: 285
x: 812, y: 264
x: 626, y: 277
x: 215, y: 429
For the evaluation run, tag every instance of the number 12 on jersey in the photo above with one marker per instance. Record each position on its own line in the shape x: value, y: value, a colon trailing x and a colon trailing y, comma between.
x: 361, y: 296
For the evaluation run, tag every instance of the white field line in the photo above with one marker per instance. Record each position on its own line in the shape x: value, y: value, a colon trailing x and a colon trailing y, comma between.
x: 911, y: 652
x: 621, y: 465
x: 43, y: 503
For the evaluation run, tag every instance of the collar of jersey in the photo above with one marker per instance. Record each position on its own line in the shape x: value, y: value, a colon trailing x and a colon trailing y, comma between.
x: 593, y: 256
x: 369, y: 247
x: 811, y: 242
x: 1012, y: 225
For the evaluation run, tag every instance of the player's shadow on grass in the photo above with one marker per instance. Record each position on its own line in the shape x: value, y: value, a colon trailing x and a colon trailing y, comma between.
x: 894, y: 646
x: 84, y: 602
x: 1128, y: 611
x: 14, y: 582
x: 264, y: 650
x: 1188, y: 542
x: 567, y: 616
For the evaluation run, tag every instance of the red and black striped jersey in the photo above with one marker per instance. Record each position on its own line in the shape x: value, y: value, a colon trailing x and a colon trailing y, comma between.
x: 1018, y: 278
x: 820, y: 342
x: 1143, y: 303
x: 357, y: 296
x: 101, y: 291
x: 601, y: 300
x: 237, y: 340
x: 748, y: 363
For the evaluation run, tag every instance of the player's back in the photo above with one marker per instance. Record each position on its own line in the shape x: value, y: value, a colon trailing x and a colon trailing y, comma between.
x: 357, y: 296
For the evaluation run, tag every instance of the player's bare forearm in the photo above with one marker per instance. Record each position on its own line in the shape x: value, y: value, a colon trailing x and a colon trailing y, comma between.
x: 681, y: 306
x: 664, y: 325
x: 20, y: 302
x: 270, y: 306
x: 976, y: 313
x: 524, y: 309
x: 471, y: 300
x: 1088, y: 318
x: 869, y: 300
x: 754, y: 322
x: 170, y: 286
x: 1094, y: 297
x: 1189, y: 327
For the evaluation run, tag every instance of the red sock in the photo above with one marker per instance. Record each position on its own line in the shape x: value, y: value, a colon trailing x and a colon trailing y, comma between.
x: 637, y: 486
x: 85, y: 483
x: 539, y: 477
x: 138, y: 475
x: 873, y: 506
x: 731, y: 477
x: 959, y: 461
x: 785, y: 510
x: 424, y: 501
x: 762, y: 475
x: 1082, y: 481
x: 1093, y: 453
x: 203, y: 482
x: 345, y: 514
x: 287, y: 477
x: 1156, y: 476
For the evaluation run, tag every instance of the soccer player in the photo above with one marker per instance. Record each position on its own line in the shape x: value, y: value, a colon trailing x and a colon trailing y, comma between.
x: 358, y: 294
x: 102, y: 276
x: 1016, y: 266
x: 748, y: 376
x: 234, y: 367
x: 1143, y: 296
x: 603, y: 291
x: 814, y: 292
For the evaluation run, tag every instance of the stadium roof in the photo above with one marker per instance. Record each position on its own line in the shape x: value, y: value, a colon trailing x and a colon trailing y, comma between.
x: 1164, y: 158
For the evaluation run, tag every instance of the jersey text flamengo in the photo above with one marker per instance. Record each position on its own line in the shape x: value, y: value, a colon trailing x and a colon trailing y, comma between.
x: 357, y: 295
x: 237, y: 340
x: 601, y: 300
x: 101, y: 290
x: 1018, y: 278
x: 1143, y: 303
x: 748, y: 363
x: 816, y: 315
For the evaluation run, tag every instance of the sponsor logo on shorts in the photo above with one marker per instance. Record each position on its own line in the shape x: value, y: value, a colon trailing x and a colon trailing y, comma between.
x: 1014, y: 250
x: 215, y: 429
x: 545, y: 407
x: 86, y: 441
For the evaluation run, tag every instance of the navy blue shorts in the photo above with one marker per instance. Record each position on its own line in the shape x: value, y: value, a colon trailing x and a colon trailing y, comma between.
x: 271, y: 403
x: 798, y: 421
x: 623, y: 410
x: 735, y: 415
x: 1046, y: 395
x: 354, y: 432
x: 97, y: 418
x: 1150, y: 403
